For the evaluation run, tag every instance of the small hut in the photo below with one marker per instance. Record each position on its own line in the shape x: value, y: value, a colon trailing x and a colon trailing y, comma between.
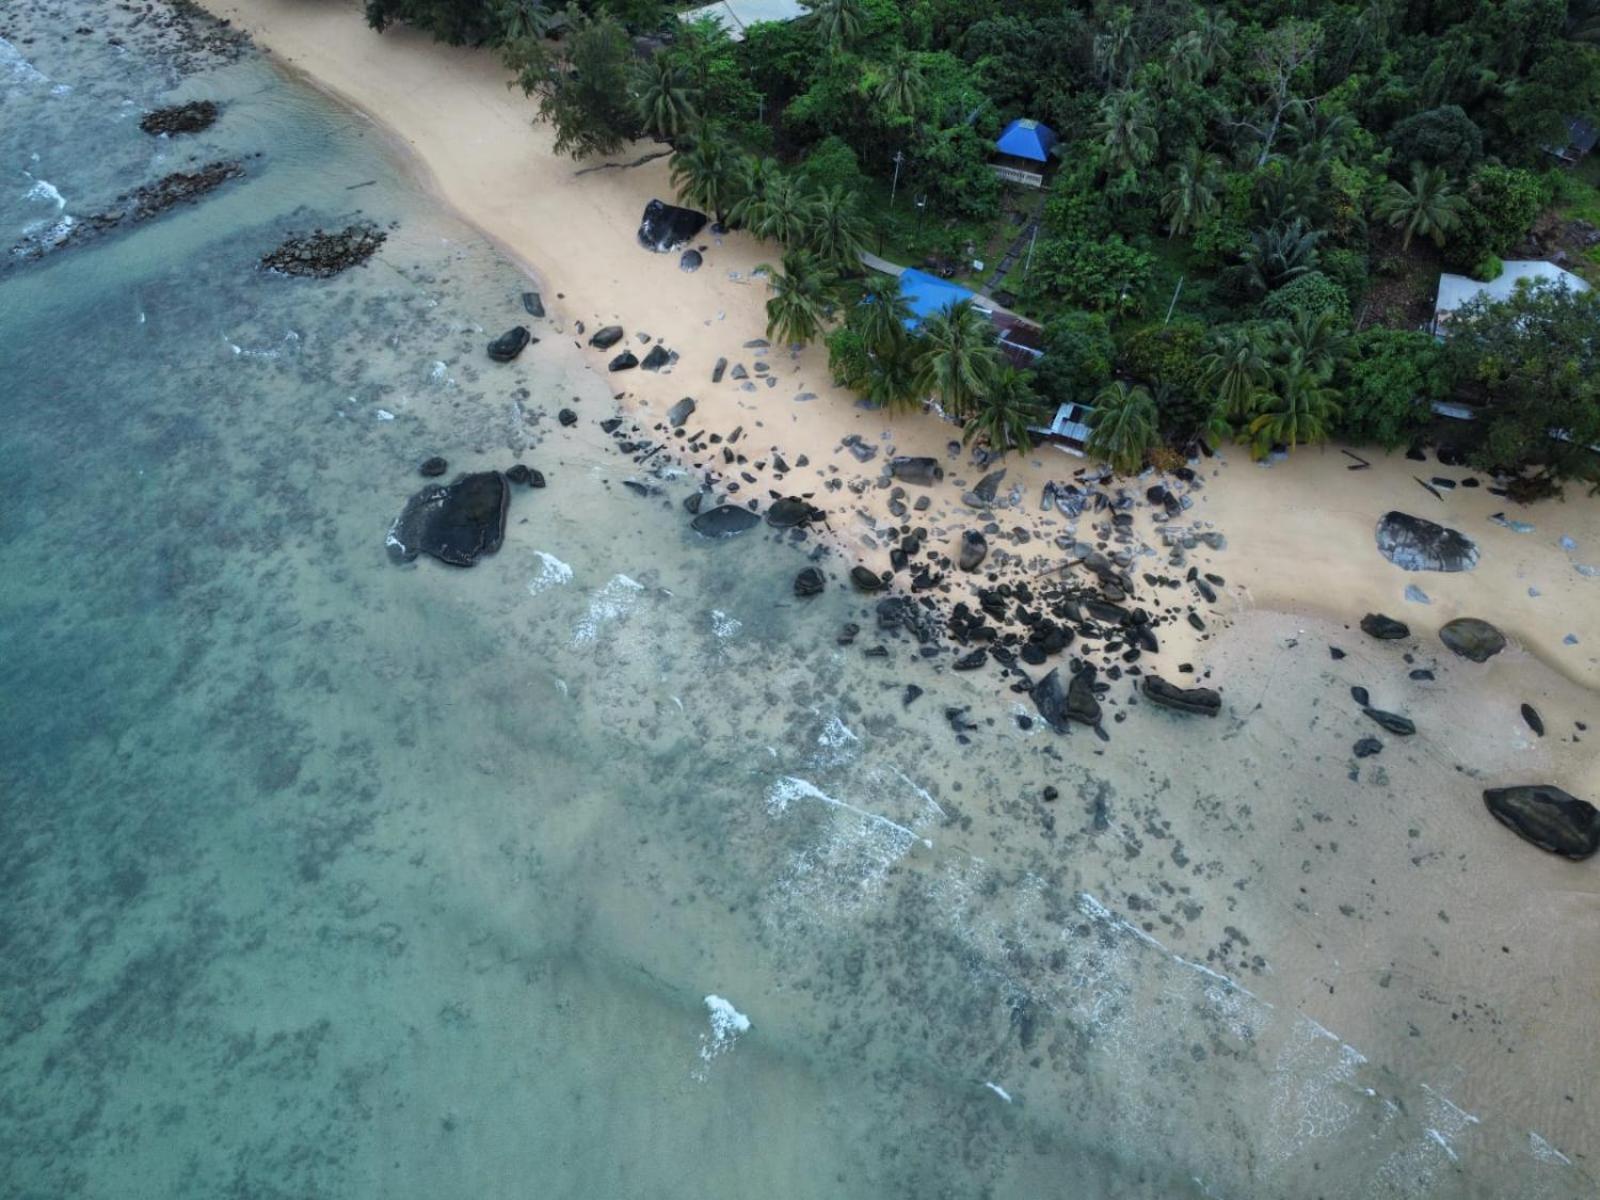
x: 1022, y: 151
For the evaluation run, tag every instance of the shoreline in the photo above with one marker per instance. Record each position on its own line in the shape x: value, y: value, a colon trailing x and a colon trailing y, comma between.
x: 1299, y: 532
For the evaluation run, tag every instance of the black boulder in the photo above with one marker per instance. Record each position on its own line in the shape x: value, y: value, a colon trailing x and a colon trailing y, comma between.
x: 456, y: 523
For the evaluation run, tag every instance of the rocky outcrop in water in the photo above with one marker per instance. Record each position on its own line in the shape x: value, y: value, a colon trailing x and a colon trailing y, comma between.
x: 456, y: 523
x: 1548, y: 817
x: 181, y: 118
x: 1413, y: 544
x: 324, y: 253
x: 725, y: 521
x: 809, y: 582
x: 1471, y: 638
x: 511, y: 343
x: 432, y: 468
x: 665, y: 227
x: 1204, y: 701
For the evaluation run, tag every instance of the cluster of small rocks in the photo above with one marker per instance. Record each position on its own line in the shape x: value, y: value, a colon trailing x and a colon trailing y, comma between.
x: 181, y: 118
x: 322, y: 253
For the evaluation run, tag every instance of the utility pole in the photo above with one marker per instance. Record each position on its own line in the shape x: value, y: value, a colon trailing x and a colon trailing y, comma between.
x: 895, y: 186
x: 1174, y: 303
x: 1027, y: 263
x: 761, y: 110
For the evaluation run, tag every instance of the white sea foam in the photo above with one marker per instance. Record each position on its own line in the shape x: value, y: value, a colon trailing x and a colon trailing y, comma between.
x: 611, y: 603
x: 383, y: 414
x: 43, y: 189
x: 552, y: 573
x: 1545, y: 1152
x: 19, y: 69
x: 723, y: 625
x: 727, y: 1024
x: 998, y: 1091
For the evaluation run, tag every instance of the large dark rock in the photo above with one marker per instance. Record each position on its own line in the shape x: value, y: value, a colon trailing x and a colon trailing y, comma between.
x: 1205, y: 701
x: 790, y: 511
x: 925, y: 471
x: 680, y: 412
x: 1050, y: 698
x: 809, y: 582
x: 1548, y: 817
x: 1393, y: 722
x: 604, y: 339
x: 1413, y: 544
x: 988, y: 485
x: 510, y: 344
x: 974, y: 549
x: 456, y: 523
x: 180, y: 118
x: 725, y: 521
x: 1471, y: 638
x: 665, y: 227
x: 625, y: 361
x: 866, y: 580
x: 1530, y: 714
x: 1082, y: 704
x: 1384, y: 628
x: 658, y: 357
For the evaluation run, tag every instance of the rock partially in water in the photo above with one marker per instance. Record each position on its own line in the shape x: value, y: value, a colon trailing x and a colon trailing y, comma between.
x: 532, y: 304
x: 432, y: 468
x: 1082, y: 704
x: 181, y: 118
x: 1414, y: 544
x: 809, y: 582
x: 1535, y: 722
x: 924, y: 471
x: 1204, y: 701
x: 725, y: 521
x: 511, y: 343
x: 1050, y: 698
x: 151, y: 200
x: 604, y: 339
x: 321, y: 254
x: 456, y: 523
x: 1393, y: 722
x: 1367, y: 747
x: 1471, y: 638
x: 866, y: 580
x: 665, y: 227
x: 1384, y: 628
x: 790, y: 511
x: 1548, y: 817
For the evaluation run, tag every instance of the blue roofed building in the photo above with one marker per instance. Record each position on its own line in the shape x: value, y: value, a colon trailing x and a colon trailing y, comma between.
x: 928, y: 295
x: 1024, y: 148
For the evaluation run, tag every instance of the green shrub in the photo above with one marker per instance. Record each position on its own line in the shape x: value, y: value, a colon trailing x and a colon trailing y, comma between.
x: 1167, y: 354
x: 1311, y: 294
x: 832, y: 163
x: 1079, y: 357
x: 1488, y: 269
x: 1105, y: 276
x: 1348, y: 269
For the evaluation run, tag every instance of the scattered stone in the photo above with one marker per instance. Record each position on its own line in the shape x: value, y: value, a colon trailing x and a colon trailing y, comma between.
x: 532, y: 304
x: 716, y: 371
x: 320, y: 254
x: 510, y: 344
x: 625, y: 361
x: 519, y: 473
x: 1367, y: 747
x: 1384, y: 628
x: 972, y: 660
x: 456, y: 523
x: 1335, y: 653
x: 911, y: 693
x: 1534, y: 721
x: 607, y: 337
x: 665, y: 227
x: 1416, y: 595
x: 535, y: 478
x: 809, y: 582
x: 865, y: 580
x: 567, y: 417
x: 1471, y: 638
x: 974, y: 549
x: 739, y: 372
x: 432, y: 468
x: 860, y: 448
x: 923, y: 471
x: 180, y: 118
x: 989, y: 485
x: 689, y: 261
x: 1548, y: 817
x: 1360, y: 695
x: 789, y: 511
x: 725, y: 521
x: 1413, y: 544
x: 680, y: 412
x: 658, y: 357
x: 1393, y: 722
x: 1205, y: 701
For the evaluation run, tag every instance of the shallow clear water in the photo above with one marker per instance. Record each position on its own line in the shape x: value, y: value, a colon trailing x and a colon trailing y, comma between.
x: 330, y: 877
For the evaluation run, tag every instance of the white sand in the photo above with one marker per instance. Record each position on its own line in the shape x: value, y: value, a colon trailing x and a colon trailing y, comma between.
x: 1299, y: 533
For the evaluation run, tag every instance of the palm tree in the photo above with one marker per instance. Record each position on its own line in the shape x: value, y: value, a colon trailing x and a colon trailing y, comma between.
x: 1116, y: 51
x: 1215, y: 32
x: 837, y: 22
x: 1005, y: 413
x: 1236, y: 369
x: 1127, y: 133
x: 883, y: 317
x: 1275, y: 255
x: 782, y: 211
x: 1319, y: 340
x: 956, y: 358
x: 1430, y: 206
x: 892, y: 382
x: 837, y: 234
x: 706, y: 172
x: 902, y: 89
x: 664, y: 101
x: 1122, y: 426
x: 750, y: 188
x: 1299, y: 411
x: 802, y: 295
x: 1192, y: 185
x: 1186, y: 59
x: 521, y: 20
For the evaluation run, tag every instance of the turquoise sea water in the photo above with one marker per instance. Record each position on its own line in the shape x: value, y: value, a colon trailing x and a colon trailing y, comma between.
x: 597, y: 870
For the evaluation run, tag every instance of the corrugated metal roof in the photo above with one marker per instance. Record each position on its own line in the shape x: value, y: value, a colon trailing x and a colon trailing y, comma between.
x: 1456, y: 290
x: 737, y: 15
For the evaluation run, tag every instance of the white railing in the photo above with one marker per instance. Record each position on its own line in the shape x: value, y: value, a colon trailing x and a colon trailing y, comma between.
x: 1015, y: 175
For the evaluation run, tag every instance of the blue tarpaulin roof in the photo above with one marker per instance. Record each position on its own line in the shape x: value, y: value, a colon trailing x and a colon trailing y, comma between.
x: 928, y: 294
x: 1027, y: 139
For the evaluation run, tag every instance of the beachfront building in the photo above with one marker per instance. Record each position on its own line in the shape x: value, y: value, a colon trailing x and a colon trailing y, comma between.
x: 736, y: 16
x: 1015, y: 338
x: 1023, y: 151
x: 1456, y: 290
